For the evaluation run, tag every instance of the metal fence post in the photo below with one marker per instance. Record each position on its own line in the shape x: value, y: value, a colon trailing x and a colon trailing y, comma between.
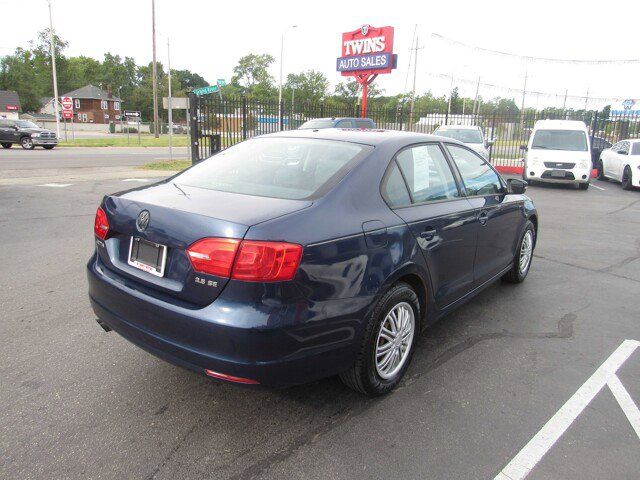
x: 281, y: 109
x: 193, y: 126
x: 493, y: 134
x: 594, y: 126
x: 244, y: 118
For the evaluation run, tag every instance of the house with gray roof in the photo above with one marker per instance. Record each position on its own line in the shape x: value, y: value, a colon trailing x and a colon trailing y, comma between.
x: 91, y: 104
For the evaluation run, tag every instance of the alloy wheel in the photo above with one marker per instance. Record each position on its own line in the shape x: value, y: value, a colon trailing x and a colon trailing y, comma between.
x: 526, y: 250
x: 394, y: 341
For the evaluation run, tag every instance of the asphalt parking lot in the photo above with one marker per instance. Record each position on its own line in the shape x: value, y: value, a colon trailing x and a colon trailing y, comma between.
x: 81, y: 403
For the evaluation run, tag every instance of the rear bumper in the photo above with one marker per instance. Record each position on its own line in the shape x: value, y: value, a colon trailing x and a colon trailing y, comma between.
x: 277, y: 345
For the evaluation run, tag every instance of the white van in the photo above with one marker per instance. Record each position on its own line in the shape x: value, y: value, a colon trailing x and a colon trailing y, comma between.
x: 558, y: 152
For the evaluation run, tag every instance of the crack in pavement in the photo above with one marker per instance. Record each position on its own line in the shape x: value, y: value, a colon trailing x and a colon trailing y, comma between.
x: 623, y: 208
x: 588, y: 269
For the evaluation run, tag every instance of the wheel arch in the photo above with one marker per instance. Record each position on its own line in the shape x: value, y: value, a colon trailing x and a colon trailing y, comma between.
x: 417, y: 278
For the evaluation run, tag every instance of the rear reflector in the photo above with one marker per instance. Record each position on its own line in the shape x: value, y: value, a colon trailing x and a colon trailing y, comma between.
x: 266, y: 261
x: 101, y: 224
x: 213, y: 255
x: 230, y: 378
x: 248, y: 260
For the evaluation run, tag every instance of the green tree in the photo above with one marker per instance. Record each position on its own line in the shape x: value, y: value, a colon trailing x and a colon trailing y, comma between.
x: 309, y: 86
x: 252, y: 78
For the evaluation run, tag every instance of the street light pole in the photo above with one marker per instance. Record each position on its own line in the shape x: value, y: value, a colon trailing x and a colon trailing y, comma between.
x: 170, y: 106
x: 281, y: 62
x: 155, y: 71
x: 53, y: 68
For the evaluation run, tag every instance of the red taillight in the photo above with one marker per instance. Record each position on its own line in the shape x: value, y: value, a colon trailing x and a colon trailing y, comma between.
x: 213, y: 255
x: 247, y: 260
x: 266, y: 261
x: 101, y: 224
x: 230, y: 378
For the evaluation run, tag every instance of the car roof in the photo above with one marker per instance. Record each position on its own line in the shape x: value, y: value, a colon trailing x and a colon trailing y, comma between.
x: 561, y: 124
x: 372, y: 137
x: 458, y: 127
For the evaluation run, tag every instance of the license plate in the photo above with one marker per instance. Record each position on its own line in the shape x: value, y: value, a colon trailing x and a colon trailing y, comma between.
x: 557, y: 173
x: 147, y: 256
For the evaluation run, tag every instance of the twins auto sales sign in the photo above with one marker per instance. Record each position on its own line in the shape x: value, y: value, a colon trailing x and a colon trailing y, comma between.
x: 367, y: 50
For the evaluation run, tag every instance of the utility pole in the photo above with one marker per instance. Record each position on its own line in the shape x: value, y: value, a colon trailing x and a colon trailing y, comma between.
x: 280, y: 83
x: 170, y: 106
x: 413, y: 89
x: 475, y: 100
x: 586, y: 99
x: 53, y: 68
x: 524, y: 92
x: 450, y: 95
x: 564, y: 103
x: 155, y: 71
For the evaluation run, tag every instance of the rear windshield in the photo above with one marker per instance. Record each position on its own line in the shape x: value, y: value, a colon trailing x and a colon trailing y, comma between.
x: 463, y: 135
x: 318, y: 123
x: 289, y: 168
x: 573, y: 140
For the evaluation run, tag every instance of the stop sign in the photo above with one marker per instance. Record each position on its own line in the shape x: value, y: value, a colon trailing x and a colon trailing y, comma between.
x: 67, y: 103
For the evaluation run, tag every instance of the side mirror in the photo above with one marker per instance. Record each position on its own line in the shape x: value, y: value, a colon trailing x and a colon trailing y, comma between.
x: 490, y: 143
x: 524, y: 148
x: 16, y: 128
x: 517, y: 186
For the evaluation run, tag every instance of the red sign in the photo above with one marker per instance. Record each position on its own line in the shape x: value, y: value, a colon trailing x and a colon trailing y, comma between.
x: 367, y: 50
x: 67, y: 103
x: 67, y: 114
x: 12, y: 107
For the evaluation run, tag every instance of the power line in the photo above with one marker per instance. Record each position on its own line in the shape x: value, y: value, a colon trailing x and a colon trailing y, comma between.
x: 476, y: 48
x: 519, y: 91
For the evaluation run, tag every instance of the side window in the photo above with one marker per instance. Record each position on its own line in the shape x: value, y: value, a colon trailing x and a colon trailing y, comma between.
x: 478, y: 177
x: 427, y: 173
x: 635, y: 149
x: 344, y: 124
x: 624, y: 148
x: 363, y: 124
x: 394, y: 190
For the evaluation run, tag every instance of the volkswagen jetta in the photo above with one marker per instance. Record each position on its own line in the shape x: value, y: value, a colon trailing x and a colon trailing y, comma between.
x: 304, y: 254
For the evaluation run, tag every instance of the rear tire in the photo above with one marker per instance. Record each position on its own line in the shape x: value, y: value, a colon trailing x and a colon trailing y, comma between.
x: 524, y: 256
x: 48, y: 147
x: 583, y: 186
x: 27, y: 143
x: 369, y: 374
x: 627, y: 179
x: 6, y: 145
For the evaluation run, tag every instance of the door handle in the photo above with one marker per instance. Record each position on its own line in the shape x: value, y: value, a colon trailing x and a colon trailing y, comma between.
x: 483, y: 217
x: 428, y: 234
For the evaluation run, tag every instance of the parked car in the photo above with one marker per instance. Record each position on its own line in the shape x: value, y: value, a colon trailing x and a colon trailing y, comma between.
x: 342, y: 122
x: 598, y: 144
x: 470, y: 135
x: 558, y: 152
x: 621, y: 162
x: 304, y: 254
x: 27, y: 134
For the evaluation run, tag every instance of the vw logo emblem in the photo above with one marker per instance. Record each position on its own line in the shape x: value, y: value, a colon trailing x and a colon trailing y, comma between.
x: 143, y: 220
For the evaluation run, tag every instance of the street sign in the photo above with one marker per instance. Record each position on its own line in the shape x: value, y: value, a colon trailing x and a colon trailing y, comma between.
x: 67, y: 114
x: 131, y: 113
x: 206, y: 90
x: 221, y: 82
x: 67, y: 103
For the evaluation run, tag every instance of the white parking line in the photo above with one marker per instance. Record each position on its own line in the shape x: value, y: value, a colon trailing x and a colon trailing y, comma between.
x: 56, y: 185
x: 599, y: 188
x: 541, y: 443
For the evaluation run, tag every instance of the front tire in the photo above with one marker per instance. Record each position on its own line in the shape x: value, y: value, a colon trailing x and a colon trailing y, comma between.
x: 627, y: 178
x: 388, y: 343
x: 583, y: 186
x: 6, y: 145
x: 523, y: 257
x: 27, y: 143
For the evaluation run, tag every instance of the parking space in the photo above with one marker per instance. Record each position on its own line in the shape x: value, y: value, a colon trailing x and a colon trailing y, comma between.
x: 82, y: 403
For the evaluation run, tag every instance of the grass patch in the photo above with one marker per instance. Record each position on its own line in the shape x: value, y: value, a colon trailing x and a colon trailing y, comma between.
x: 121, y: 141
x: 177, y: 165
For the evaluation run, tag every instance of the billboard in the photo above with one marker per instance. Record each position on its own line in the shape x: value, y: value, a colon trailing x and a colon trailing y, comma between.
x: 367, y: 51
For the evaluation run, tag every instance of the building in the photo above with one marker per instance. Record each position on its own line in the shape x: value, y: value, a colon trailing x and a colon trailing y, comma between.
x: 90, y: 105
x: 9, y: 104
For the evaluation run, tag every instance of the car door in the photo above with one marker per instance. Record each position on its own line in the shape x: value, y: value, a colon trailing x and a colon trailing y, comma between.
x: 607, y: 158
x: 500, y: 215
x: 621, y: 159
x: 439, y: 217
x: 6, y: 132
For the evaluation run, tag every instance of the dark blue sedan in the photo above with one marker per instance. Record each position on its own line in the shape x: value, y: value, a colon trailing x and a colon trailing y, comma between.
x: 305, y: 254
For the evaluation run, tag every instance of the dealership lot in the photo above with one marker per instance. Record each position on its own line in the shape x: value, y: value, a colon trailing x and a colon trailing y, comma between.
x: 81, y: 403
